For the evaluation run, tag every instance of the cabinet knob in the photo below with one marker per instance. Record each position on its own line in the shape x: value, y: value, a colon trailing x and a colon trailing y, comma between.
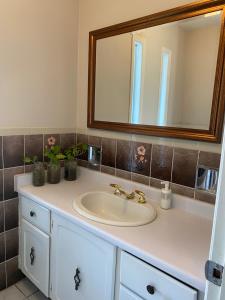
x: 32, y: 213
x: 150, y: 289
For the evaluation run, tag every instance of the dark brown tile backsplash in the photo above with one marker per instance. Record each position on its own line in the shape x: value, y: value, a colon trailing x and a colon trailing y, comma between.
x: 2, y: 226
x: 123, y: 174
x: 182, y: 190
x: 11, y: 214
x: 82, y: 139
x: 162, y: 157
x: 205, y: 197
x: 9, y: 174
x: 124, y: 155
x: 108, y: 170
x: 1, y: 185
x: 211, y: 160
x: 34, y: 146
x: 94, y: 141
x: 2, y: 276
x: 109, y: 152
x: 13, y: 150
x: 11, y: 241
x: 2, y: 247
x: 151, y: 164
x: 67, y: 140
x: 140, y: 178
x: 1, y: 158
x: 184, y: 167
x: 12, y: 271
x: 156, y: 183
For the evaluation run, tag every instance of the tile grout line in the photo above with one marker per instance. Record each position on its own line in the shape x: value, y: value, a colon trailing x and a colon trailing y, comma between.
x: 3, y: 197
x: 172, y: 165
x: 196, y: 174
x: 150, y: 172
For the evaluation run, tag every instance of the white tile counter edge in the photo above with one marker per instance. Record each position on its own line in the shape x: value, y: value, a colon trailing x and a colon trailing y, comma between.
x: 188, y: 224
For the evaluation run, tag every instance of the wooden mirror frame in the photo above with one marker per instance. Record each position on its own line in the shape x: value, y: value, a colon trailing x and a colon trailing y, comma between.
x: 218, y: 102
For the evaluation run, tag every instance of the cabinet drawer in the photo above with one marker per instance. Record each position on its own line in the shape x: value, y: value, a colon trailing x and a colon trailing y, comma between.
x: 34, y: 255
x: 138, y: 275
x: 35, y: 214
x: 126, y: 294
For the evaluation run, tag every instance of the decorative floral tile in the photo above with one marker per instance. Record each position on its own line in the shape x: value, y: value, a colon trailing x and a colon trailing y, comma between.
x: 141, y: 158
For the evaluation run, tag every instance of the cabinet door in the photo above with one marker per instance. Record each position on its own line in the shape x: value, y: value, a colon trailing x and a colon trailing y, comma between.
x: 34, y: 255
x: 77, y: 256
x: 126, y: 294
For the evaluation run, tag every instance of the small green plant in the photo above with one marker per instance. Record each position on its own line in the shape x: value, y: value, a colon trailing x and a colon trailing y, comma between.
x: 53, y: 153
x: 75, y: 151
x: 30, y: 160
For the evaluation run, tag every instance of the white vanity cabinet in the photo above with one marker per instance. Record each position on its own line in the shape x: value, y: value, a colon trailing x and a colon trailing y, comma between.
x: 67, y: 262
x: 82, y: 266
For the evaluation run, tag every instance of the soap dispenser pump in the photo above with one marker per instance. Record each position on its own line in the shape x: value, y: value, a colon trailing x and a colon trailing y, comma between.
x: 166, y: 196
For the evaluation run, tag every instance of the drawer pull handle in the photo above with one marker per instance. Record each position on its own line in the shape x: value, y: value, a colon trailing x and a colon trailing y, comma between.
x: 151, y: 289
x: 77, y: 279
x: 32, y: 213
x: 32, y: 256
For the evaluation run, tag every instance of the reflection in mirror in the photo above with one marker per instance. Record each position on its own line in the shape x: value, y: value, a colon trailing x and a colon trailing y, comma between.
x: 162, y: 75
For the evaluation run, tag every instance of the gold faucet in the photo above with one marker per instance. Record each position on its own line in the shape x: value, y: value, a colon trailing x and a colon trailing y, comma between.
x: 141, y: 196
x: 119, y: 191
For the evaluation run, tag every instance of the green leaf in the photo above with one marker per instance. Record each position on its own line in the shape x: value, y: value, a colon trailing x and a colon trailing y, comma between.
x: 60, y: 156
x: 27, y: 160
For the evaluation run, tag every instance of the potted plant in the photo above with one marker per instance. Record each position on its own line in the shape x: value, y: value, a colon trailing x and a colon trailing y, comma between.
x: 38, y: 173
x: 53, y: 153
x: 71, y: 154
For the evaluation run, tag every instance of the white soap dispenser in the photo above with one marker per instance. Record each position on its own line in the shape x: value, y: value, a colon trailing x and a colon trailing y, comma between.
x: 166, y: 196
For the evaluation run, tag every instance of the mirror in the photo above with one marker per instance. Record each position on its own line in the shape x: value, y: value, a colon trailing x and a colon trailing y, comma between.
x: 160, y: 77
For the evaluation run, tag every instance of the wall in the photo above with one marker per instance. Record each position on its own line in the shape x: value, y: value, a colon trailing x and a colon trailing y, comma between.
x: 38, y: 57
x: 100, y: 13
x: 38, y: 61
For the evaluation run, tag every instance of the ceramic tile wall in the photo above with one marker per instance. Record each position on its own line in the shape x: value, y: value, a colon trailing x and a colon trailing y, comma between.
x: 150, y: 164
x: 13, y: 148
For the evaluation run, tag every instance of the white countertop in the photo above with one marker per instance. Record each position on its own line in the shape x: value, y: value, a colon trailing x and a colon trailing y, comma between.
x: 177, y: 242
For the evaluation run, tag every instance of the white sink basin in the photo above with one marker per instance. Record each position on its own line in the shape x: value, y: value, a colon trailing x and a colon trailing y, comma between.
x: 109, y: 209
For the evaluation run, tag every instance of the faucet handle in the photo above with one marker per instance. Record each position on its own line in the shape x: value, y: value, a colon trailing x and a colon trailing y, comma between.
x: 140, y: 193
x: 141, y: 198
x: 115, y: 186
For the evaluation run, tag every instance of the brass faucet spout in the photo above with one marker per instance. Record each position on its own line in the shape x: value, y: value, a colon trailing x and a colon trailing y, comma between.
x: 119, y: 191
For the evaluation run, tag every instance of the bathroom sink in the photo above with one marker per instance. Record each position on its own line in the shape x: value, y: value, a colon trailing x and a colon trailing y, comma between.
x: 114, y: 210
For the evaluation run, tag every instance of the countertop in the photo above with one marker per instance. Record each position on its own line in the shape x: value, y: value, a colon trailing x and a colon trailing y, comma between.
x: 177, y: 242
